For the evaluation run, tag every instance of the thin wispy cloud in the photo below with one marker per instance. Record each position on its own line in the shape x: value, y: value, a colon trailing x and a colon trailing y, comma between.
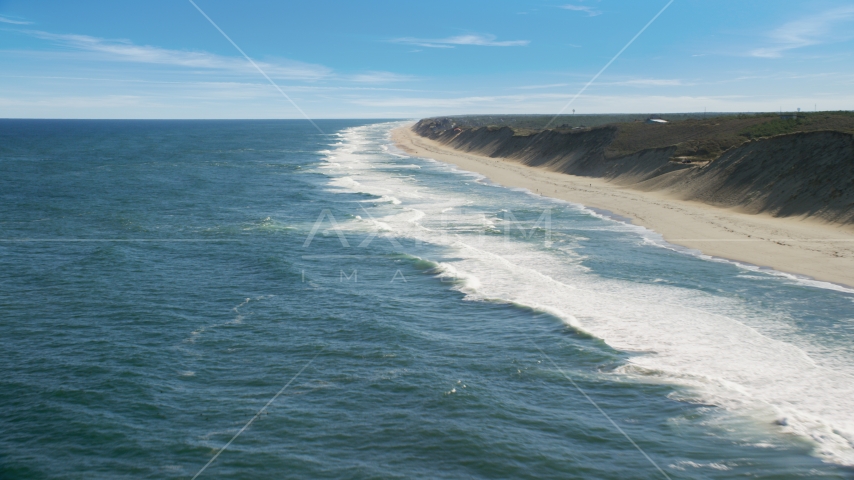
x: 471, y: 39
x: 380, y: 77
x: 529, y: 104
x: 590, y: 11
x: 536, y: 87
x: 804, y: 32
x: 455, y: 102
x: 14, y: 22
x: 637, y: 82
x: 126, y: 51
x: 649, y: 82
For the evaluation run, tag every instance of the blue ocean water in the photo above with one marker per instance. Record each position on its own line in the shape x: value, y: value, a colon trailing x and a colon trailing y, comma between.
x: 161, y: 282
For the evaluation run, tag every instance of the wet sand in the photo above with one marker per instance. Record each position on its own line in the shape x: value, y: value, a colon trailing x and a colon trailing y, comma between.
x: 797, y: 245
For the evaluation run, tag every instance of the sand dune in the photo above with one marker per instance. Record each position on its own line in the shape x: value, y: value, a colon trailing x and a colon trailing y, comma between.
x: 699, y: 208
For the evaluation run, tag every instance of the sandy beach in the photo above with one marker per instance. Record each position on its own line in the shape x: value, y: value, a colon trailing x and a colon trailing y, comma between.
x: 802, y: 246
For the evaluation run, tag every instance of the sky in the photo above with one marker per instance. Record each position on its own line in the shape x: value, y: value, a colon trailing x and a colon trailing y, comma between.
x: 396, y: 59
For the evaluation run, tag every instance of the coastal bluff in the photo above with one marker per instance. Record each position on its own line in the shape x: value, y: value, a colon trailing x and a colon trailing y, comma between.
x: 805, y: 173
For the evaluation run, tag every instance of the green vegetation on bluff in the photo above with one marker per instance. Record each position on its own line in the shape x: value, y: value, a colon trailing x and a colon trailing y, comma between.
x: 696, y: 136
x: 538, y: 122
x: 806, y: 122
x: 778, y: 164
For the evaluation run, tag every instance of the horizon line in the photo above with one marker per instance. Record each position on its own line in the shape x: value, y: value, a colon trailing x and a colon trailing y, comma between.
x: 430, y: 116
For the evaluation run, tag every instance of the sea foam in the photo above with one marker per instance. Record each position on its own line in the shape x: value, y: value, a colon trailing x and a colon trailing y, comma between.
x: 750, y: 362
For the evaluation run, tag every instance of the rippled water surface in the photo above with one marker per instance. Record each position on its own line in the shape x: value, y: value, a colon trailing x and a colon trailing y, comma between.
x: 161, y: 282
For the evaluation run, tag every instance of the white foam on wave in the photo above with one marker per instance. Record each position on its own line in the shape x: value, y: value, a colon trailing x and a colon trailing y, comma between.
x: 399, y: 167
x: 732, y: 355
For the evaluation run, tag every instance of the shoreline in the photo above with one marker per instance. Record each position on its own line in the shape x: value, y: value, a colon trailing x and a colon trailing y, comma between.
x: 792, y: 245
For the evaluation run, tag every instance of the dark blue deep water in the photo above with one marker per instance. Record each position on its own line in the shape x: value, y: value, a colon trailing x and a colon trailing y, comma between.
x: 162, y: 281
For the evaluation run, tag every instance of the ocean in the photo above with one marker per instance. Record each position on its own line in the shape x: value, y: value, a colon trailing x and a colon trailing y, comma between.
x: 328, y: 306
